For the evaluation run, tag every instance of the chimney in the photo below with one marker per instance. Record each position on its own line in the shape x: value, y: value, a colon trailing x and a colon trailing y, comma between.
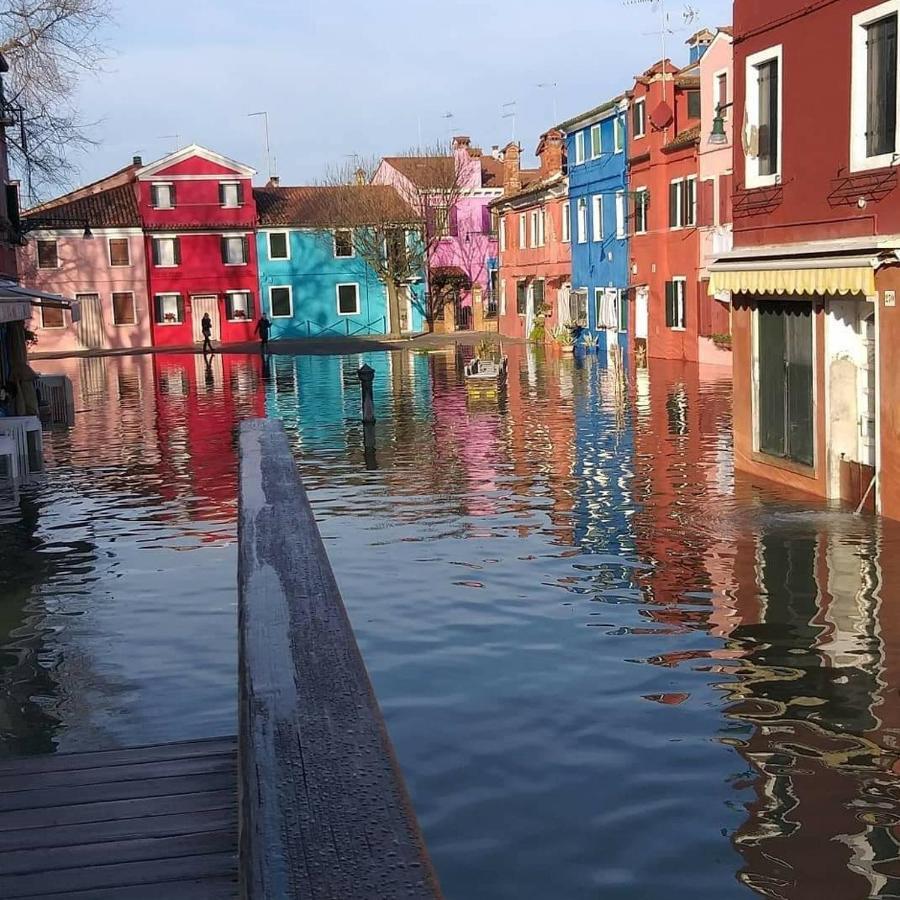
x: 512, y: 179
x: 273, y: 181
x: 698, y: 44
x: 137, y: 161
x: 495, y: 151
x: 551, y: 151
x: 361, y: 176
x: 461, y: 141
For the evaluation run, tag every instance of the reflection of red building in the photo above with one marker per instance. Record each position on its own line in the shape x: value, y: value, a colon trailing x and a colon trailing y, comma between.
x: 199, y: 216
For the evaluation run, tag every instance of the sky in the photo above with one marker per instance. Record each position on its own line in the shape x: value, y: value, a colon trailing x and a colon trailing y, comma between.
x: 364, y: 77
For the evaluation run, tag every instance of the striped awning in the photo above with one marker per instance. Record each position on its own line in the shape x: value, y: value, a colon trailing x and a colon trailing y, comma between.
x: 821, y: 275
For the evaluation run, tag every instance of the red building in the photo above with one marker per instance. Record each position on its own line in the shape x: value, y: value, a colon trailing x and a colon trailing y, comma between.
x: 535, y: 247
x: 663, y: 168
x: 199, y: 217
x: 814, y: 274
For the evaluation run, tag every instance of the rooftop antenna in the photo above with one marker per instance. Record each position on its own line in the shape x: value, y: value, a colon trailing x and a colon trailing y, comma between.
x: 449, y: 117
x: 265, y: 117
x: 508, y: 111
x: 171, y: 137
x: 552, y: 85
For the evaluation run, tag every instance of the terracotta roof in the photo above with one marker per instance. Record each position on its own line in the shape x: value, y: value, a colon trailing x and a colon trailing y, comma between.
x: 324, y: 207
x: 115, y: 207
x: 684, y: 139
x: 688, y: 82
x: 491, y: 172
x: 727, y: 29
x: 425, y: 171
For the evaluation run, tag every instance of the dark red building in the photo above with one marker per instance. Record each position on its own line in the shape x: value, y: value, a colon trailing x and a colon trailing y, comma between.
x: 814, y: 274
x: 199, y: 216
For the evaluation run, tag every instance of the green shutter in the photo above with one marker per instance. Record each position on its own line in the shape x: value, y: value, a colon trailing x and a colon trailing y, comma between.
x: 178, y: 252
x: 670, y: 304
x: 798, y: 343
x: 772, y: 378
x: 155, y: 247
x: 158, y: 309
x: 250, y: 311
x: 246, y: 248
x: 229, y: 306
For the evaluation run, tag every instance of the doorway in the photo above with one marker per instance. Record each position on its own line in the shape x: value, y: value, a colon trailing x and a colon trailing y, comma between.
x: 867, y: 398
x: 90, y: 327
x: 200, y: 306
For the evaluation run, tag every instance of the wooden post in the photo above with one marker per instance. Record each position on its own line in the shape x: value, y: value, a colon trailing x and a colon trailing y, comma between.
x: 366, y: 375
x: 323, y: 807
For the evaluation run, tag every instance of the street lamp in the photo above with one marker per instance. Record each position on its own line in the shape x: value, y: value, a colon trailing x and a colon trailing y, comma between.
x: 718, y: 135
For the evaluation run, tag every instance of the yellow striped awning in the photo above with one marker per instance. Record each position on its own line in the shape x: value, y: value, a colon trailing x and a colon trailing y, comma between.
x: 838, y: 275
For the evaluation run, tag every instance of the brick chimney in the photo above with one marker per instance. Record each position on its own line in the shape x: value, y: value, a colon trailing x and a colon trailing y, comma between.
x: 273, y: 181
x: 512, y: 178
x: 552, y: 152
x: 137, y: 161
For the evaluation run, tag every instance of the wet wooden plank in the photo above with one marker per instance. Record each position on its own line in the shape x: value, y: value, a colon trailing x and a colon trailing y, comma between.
x: 324, y: 810
x: 201, y: 889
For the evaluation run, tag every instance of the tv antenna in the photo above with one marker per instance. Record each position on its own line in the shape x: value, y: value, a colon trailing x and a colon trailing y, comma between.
x: 508, y: 111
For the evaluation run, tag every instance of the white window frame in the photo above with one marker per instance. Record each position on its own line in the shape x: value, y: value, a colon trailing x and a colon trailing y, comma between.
x: 566, y: 229
x: 598, y: 130
x: 523, y: 231
x: 642, y: 104
x: 679, y: 218
x: 542, y: 226
x: 249, y: 295
x: 113, y: 265
x: 751, y: 110
x: 245, y: 246
x: 162, y: 265
x: 859, y: 162
x: 619, y: 135
x: 620, y: 215
x: 287, y: 242
x: 691, y: 179
x: 164, y: 323
x: 352, y: 252
x: 337, y: 298
x: 682, y: 280
x: 581, y: 220
x: 276, y: 287
x: 640, y: 198
x: 535, y: 227
x: 502, y: 234
x: 579, y: 147
x: 153, y: 196
x: 237, y: 190
x: 597, y: 218
x: 112, y: 309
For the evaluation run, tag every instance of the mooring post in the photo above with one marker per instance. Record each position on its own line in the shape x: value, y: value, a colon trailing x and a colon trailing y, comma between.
x: 366, y: 375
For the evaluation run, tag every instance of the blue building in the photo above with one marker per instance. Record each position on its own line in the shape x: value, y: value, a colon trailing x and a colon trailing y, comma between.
x: 598, y: 212
x: 312, y: 282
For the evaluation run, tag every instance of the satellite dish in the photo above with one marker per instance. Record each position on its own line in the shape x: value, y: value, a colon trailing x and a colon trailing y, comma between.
x: 662, y: 116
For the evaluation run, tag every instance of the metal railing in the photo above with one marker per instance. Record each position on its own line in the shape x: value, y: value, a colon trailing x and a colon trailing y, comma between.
x: 346, y: 328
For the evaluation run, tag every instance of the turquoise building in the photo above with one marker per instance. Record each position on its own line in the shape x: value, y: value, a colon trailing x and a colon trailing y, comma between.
x: 312, y: 283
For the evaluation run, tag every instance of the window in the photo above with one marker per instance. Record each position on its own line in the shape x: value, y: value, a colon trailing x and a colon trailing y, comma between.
x: 542, y: 226
x: 502, y: 233
x: 683, y: 203
x: 234, y: 250
x: 784, y: 375
x: 47, y: 255
x: 162, y: 196
x: 641, y: 210
x: 676, y: 304
x: 581, y: 224
x: 535, y: 242
x: 238, y: 306
x: 622, y: 305
x: 620, y: 133
x: 693, y: 104
x: 639, y: 118
x: 596, y: 141
x: 763, y: 112
x: 522, y: 229
x: 281, y: 302
x: 537, y: 295
x: 166, y: 252
x: 566, y: 222
x: 690, y: 201
x: 123, y: 308
x: 52, y: 317
x: 119, y: 252
x: 597, y: 217
x: 620, y: 214
x: 578, y: 306
x: 579, y: 148
x: 873, y: 133
x: 169, y: 309
x: 721, y: 94
x: 279, y: 246
x: 231, y: 194
x: 343, y: 240
x: 441, y: 221
x: 521, y: 297
x: 599, y: 293
x: 348, y: 299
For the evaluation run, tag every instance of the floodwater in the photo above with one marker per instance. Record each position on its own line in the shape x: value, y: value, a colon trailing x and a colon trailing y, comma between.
x: 610, y: 669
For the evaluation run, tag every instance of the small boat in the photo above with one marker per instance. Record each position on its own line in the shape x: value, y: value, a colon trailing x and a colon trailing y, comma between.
x: 486, y: 375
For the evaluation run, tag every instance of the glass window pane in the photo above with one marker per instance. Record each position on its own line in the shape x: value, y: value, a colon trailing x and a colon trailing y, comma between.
x: 347, y: 299
x: 281, y: 301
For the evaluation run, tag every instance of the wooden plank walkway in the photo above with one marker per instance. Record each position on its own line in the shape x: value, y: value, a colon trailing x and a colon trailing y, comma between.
x: 138, y: 824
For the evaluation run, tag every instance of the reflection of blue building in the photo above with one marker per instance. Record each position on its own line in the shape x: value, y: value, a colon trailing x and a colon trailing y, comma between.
x: 313, y: 283
x: 598, y: 208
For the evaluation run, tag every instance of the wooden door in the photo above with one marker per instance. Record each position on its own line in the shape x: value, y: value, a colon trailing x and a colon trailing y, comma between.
x: 90, y: 327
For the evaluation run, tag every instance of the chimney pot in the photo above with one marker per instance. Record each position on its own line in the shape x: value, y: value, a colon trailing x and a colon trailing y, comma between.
x: 137, y: 161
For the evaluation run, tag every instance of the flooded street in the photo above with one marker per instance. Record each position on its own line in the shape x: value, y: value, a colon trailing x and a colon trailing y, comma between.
x: 609, y: 668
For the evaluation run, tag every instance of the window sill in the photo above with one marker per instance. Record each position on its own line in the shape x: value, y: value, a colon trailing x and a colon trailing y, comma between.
x: 353, y: 255
x: 165, y: 266
x: 349, y: 315
x: 875, y: 164
x: 762, y: 181
x: 120, y: 265
x: 786, y: 465
x: 287, y: 316
x: 168, y: 324
x: 124, y: 324
x: 233, y: 265
x: 678, y: 328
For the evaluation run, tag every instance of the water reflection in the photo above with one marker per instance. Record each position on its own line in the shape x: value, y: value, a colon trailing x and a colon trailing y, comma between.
x: 609, y: 667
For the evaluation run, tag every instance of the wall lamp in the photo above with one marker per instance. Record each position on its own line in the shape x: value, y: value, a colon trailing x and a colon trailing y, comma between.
x: 718, y: 135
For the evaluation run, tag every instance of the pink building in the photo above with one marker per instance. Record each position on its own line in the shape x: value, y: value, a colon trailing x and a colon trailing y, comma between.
x: 88, y: 245
x: 462, y: 269
x: 716, y: 185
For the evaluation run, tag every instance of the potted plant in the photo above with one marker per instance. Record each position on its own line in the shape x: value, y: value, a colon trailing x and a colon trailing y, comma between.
x: 722, y: 341
x: 565, y: 339
x: 590, y: 342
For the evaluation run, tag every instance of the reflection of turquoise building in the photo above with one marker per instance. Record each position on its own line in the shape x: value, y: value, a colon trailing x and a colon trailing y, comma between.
x: 312, y: 282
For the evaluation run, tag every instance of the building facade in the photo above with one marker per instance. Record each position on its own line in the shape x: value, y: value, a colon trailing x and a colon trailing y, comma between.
x: 199, y: 218
x: 533, y: 237
x: 598, y: 221
x: 312, y: 280
x: 814, y: 273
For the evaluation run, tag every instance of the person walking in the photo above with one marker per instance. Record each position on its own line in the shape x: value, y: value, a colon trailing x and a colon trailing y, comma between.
x: 206, y: 328
x: 263, y: 327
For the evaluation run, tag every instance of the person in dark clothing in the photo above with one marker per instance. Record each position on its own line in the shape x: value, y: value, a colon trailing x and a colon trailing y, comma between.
x: 206, y: 328
x: 263, y: 327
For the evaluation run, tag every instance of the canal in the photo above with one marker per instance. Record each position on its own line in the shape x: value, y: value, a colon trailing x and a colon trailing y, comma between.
x: 610, y: 667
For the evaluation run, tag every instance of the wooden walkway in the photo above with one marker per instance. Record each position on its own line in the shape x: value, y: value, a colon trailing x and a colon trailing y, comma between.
x: 139, y: 824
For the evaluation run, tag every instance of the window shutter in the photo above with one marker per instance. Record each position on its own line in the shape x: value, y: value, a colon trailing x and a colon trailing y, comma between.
x: 155, y: 245
x: 172, y: 193
x: 707, y: 212
x: 180, y: 302
x: 726, y: 183
x: 221, y: 194
x: 674, y: 191
x: 240, y: 193
x: 670, y: 304
x: 158, y: 309
x: 251, y: 313
x: 177, y: 251
x: 223, y: 249
x: 229, y: 306
x: 246, y: 248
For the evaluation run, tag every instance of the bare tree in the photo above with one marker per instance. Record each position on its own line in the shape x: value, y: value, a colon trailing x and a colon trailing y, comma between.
x: 48, y: 44
x: 407, y: 204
